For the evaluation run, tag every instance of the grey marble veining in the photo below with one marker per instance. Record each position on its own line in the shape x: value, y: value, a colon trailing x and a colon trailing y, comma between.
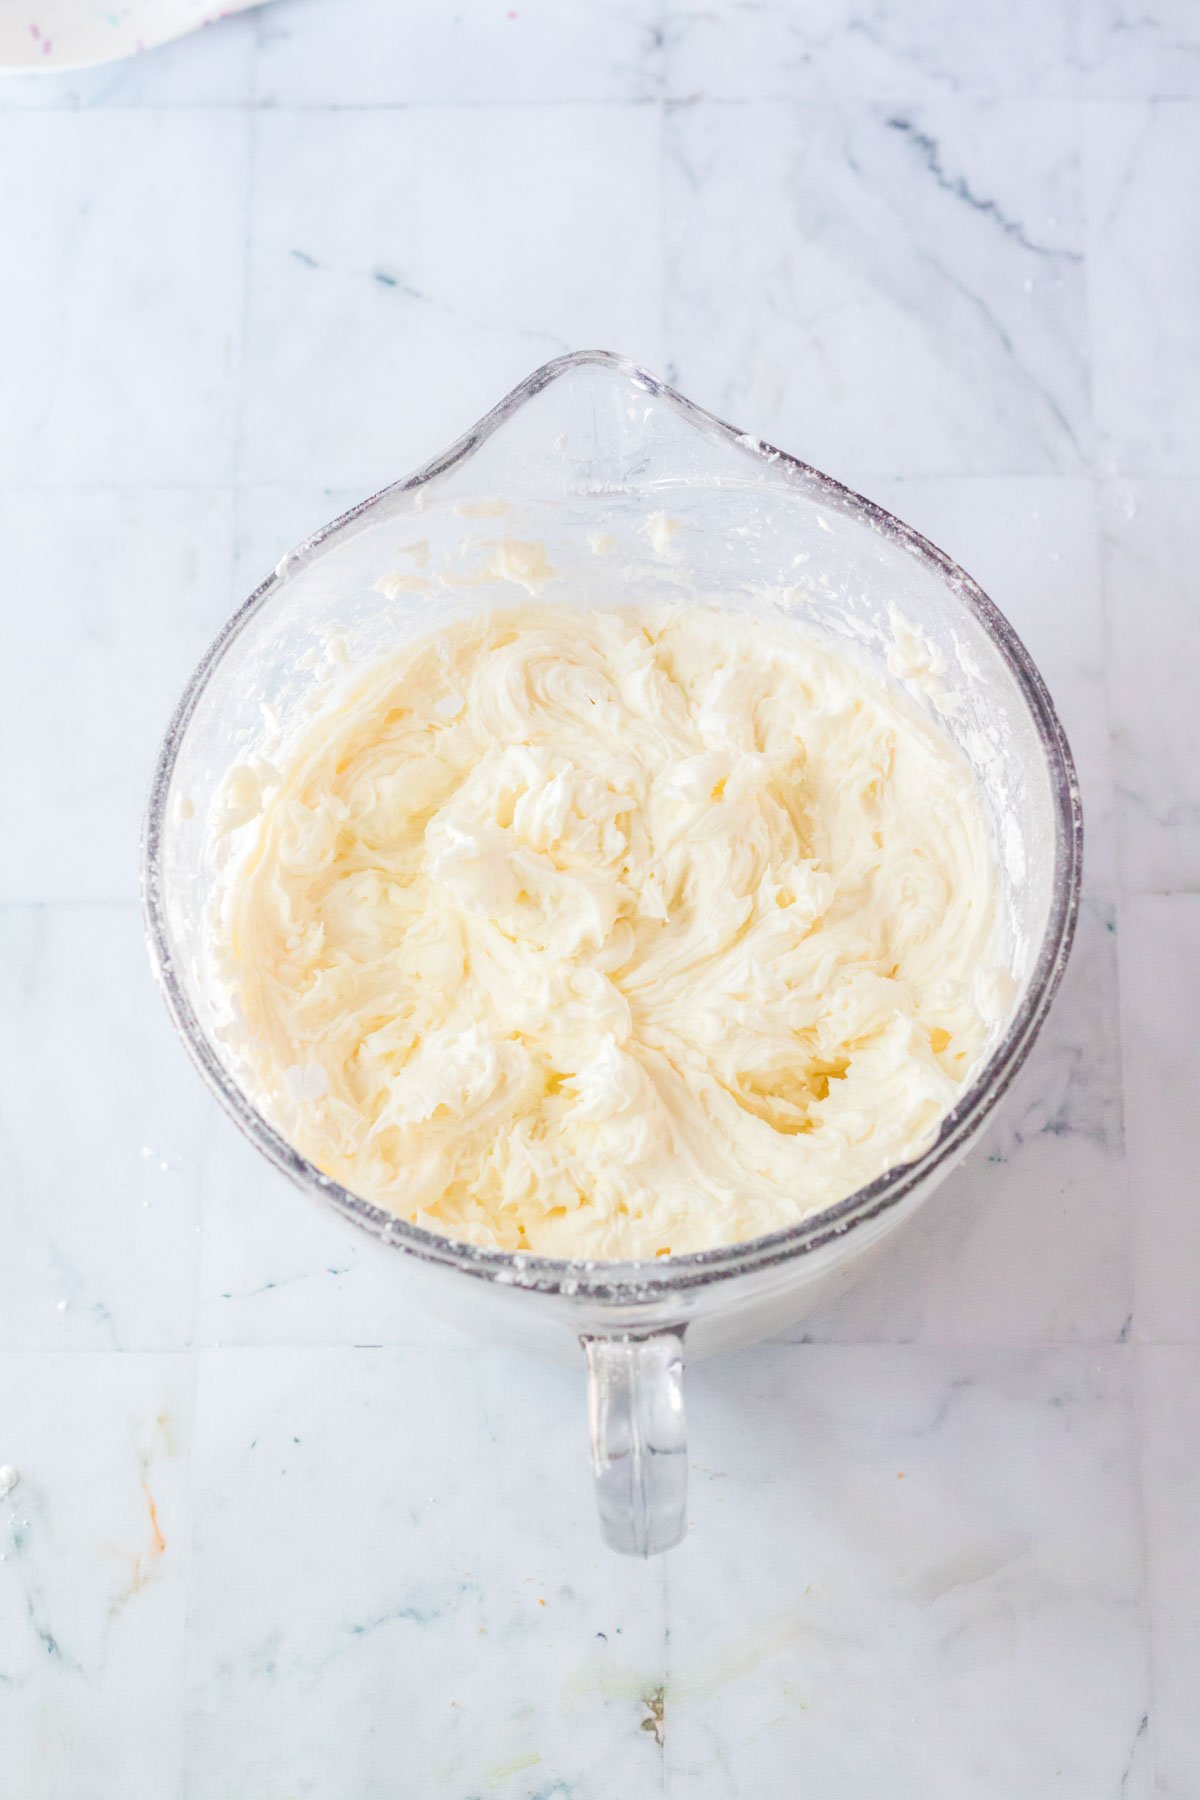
x: 484, y: 271
x: 914, y: 256
x: 93, y: 1581
x: 1144, y: 286
x: 1152, y: 547
x: 276, y: 1534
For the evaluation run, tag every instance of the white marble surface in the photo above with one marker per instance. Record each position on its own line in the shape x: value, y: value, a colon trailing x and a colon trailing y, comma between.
x: 276, y: 1535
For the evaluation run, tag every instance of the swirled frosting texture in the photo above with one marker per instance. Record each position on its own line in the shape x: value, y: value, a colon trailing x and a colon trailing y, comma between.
x: 611, y: 934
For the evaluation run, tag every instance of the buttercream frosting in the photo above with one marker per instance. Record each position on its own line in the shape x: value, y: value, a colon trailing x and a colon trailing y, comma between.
x: 610, y: 933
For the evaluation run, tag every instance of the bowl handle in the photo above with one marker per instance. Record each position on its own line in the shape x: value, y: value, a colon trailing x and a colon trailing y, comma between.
x: 639, y: 1448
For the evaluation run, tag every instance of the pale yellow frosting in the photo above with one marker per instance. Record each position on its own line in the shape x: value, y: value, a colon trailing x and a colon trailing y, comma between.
x: 611, y: 934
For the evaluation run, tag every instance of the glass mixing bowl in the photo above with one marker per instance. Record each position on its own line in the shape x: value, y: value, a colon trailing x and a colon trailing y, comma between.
x: 581, y: 458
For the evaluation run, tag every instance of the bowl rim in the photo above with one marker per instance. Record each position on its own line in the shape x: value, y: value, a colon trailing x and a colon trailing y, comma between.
x: 637, y: 1282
